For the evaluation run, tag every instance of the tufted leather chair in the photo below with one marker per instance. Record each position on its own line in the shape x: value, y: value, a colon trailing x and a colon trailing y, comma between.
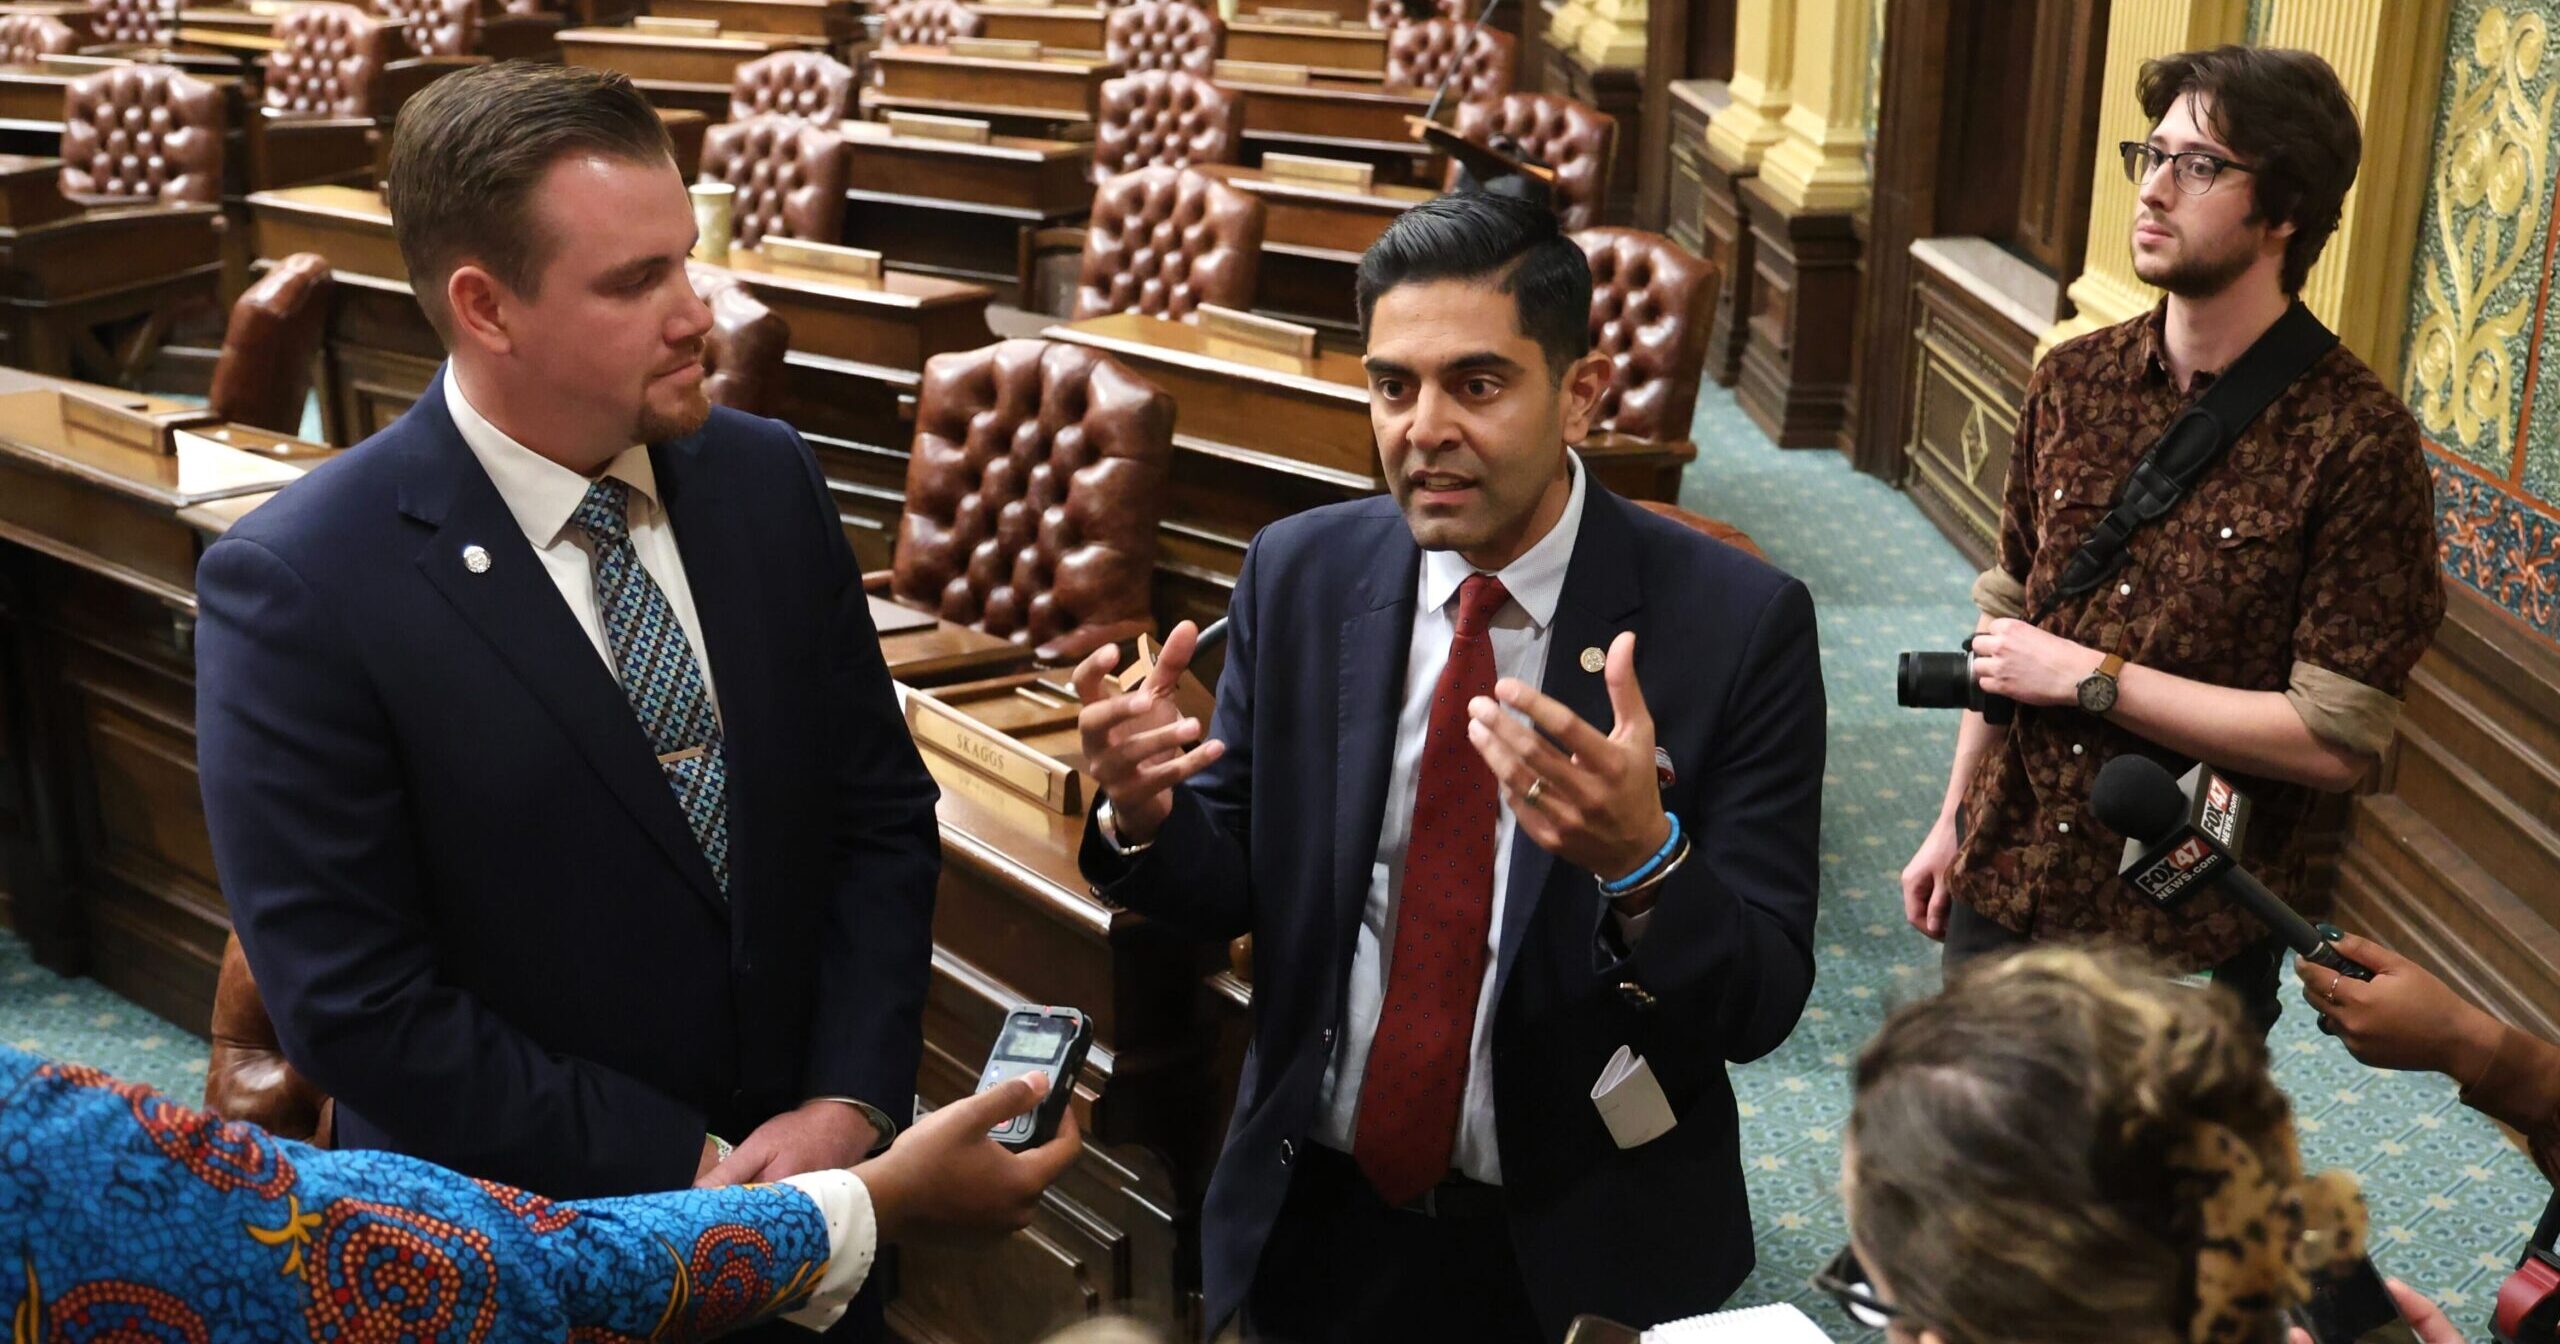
x: 1165, y: 118
x: 1163, y: 241
x: 1721, y: 531
x: 126, y: 23
x: 332, y: 56
x: 1040, y: 474
x: 436, y: 27
x: 247, y: 1077
x: 789, y: 175
x: 264, y: 374
x: 1650, y: 299
x: 141, y: 133
x: 742, y: 357
x: 1579, y: 140
x: 1163, y: 35
x: 808, y: 84
x: 1420, y: 55
x: 1390, y: 13
x: 928, y: 23
x: 28, y: 38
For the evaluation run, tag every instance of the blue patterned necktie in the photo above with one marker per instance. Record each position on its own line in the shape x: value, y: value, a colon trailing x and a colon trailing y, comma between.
x: 656, y: 666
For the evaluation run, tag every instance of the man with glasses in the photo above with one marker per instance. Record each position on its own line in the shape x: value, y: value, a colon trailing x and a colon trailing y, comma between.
x: 2266, y: 625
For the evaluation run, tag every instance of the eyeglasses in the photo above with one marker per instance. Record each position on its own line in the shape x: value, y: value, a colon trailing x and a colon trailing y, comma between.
x: 1846, y: 1281
x: 2194, y: 173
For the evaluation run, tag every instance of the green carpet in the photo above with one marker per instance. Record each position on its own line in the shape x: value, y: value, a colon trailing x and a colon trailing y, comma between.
x: 2451, y: 1199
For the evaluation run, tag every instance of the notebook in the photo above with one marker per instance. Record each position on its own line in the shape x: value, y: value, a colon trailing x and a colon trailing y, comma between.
x: 1776, y: 1323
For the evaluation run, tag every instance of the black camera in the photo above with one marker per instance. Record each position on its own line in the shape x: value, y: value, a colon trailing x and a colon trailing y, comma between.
x: 1945, y: 681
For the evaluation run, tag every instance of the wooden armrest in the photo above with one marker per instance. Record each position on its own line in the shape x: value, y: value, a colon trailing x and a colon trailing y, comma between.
x: 1638, y: 468
x: 1073, y: 646
x: 877, y: 582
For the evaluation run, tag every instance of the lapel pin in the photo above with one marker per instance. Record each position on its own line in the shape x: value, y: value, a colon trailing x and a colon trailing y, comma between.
x: 1593, y: 660
x: 475, y: 559
x: 1662, y: 768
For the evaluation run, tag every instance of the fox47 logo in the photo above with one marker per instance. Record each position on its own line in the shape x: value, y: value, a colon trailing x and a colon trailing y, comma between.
x: 2175, y: 869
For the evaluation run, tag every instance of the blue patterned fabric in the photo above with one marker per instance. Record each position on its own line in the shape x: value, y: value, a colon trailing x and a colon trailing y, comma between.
x: 656, y: 667
x: 127, y: 1217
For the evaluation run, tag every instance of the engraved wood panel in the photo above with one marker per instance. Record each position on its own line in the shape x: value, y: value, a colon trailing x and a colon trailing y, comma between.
x: 1685, y: 190
x: 1726, y: 233
x: 1968, y: 376
x: 1795, y: 372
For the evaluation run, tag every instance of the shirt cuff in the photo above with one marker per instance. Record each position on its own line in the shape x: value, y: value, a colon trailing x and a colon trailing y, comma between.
x: 853, y: 1242
x: 2338, y: 708
x: 883, y: 1128
x: 1631, y: 927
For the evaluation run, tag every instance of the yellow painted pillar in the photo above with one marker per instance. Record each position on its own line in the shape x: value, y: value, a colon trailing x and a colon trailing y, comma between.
x: 1764, y: 35
x: 1820, y: 161
x: 2106, y: 291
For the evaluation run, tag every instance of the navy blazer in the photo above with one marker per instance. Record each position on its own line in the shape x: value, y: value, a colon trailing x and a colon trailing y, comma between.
x: 474, y: 908
x: 1277, y: 839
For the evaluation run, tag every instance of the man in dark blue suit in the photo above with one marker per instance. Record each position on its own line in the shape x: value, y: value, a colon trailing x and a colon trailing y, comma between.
x: 556, y: 782
x: 1460, y: 919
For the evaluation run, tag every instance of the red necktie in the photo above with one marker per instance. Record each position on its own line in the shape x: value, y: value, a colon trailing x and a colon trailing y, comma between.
x: 1417, y: 1074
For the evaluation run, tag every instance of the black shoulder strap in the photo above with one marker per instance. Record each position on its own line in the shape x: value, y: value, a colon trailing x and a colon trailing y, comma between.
x: 2196, y: 439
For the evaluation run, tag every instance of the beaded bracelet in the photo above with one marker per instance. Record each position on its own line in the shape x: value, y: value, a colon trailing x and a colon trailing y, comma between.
x: 1621, y: 886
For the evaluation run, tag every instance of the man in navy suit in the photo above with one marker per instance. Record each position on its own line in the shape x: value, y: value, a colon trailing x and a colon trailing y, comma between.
x: 1506, y: 775
x: 555, y: 779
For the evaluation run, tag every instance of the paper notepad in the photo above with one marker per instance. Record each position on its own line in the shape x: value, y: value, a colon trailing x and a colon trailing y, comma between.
x: 1776, y: 1323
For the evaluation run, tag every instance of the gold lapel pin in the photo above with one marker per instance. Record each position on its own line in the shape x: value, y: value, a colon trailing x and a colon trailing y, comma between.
x: 1593, y: 660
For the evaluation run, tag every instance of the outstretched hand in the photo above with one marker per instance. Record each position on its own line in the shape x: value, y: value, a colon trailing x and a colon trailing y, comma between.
x: 1137, y: 743
x: 1598, y: 803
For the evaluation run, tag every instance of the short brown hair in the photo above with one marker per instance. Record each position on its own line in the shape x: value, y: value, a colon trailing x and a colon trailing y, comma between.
x: 2286, y: 114
x: 470, y: 150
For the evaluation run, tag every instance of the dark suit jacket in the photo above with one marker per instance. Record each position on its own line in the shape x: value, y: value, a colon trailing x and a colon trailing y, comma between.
x: 1277, y: 839
x: 474, y: 908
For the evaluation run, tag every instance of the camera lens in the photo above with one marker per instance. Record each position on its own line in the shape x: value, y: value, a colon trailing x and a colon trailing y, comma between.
x: 1933, y: 681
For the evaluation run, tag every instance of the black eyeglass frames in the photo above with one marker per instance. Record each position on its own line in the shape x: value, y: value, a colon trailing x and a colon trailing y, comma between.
x: 2193, y: 170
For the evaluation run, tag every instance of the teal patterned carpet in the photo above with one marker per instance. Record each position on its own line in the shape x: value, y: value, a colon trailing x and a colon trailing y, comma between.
x: 2452, y: 1200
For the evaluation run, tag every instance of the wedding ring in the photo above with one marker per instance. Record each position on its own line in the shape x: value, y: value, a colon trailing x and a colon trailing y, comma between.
x: 1536, y: 787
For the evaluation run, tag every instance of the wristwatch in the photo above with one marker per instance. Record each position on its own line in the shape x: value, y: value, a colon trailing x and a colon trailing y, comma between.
x: 2098, y: 689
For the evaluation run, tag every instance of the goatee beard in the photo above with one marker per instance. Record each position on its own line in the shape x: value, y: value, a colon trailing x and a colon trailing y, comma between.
x: 658, y: 428
x: 2192, y: 277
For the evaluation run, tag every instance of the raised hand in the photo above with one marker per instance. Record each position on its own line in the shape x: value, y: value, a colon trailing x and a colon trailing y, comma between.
x: 1598, y: 807
x: 1137, y: 744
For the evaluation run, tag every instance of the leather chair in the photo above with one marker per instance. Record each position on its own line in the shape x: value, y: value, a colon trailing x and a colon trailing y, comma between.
x: 928, y: 23
x: 789, y: 174
x: 332, y: 57
x: 1167, y: 119
x: 263, y: 376
x: 806, y: 84
x: 1420, y: 55
x: 135, y: 134
x: 742, y: 358
x: 1163, y: 35
x: 436, y: 27
x: 129, y: 23
x: 1650, y: 300
x: 1577, y: 139
x: 1163, y: 241
x: 247, y: 1077
x: 28, y: 38
x: 1390, y: 13
x: 1721, y: 531
x: 1040, y: 474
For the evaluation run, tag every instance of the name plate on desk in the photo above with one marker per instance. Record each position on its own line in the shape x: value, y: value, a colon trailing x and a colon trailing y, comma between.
x: 1304, y: 18
x: 926, y: 126
x: 853, y: 263
x: 676, y: 27
x: 1262, y: 333
x: 951, y: 730
x: 995, y: 48
x: 1325, y: 172
x: 130, y: 426
x: 1259, y: 72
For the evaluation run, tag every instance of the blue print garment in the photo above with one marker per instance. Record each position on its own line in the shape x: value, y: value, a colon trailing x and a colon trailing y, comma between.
x: 125, y: 1216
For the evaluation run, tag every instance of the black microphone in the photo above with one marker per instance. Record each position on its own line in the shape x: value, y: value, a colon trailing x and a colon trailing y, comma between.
x: 2183, y: 835
x: 1211, y: 636
x: 1432, y: 113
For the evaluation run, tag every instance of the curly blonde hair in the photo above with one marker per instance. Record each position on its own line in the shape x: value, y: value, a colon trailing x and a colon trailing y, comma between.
x: 2068, y: 1146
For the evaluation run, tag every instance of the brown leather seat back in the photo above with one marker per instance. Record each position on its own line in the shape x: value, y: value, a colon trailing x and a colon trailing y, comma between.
x: 436, y: 27
x: 28, y: 38
x: 1580, y: 141
x: 928, y: 23
x: 1163, y: 35
x: 247, y: 1077
x: 807, y: 84
x: 141, y: 133
x: 1165, y: 118
x: 1390, y: 13
x: 1163, y: 241
x: 1721, y: 531
x: 129, y: 22
x: 264, y: 374
x: 331, y: 59
x: 1650, y: 300
x: 789, y: 174
x: 742, y: 358
x: 1420, y: 55
x: 1038, y: 480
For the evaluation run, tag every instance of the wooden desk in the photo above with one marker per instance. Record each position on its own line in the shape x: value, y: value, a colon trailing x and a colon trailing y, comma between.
x: 1340, y: 119
x: 71, y: 278
x: 1355, y: 52
x: 1031, y: 98
x: 1312, y: 238
x: 1351, y: 12
x: 1056, y: 28
x: 938, y: 651
x: 692, y: 73
x: 836, y: 21
x: 954, y: 209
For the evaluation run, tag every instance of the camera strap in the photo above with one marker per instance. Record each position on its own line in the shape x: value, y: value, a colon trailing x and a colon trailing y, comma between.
x: 2196, y: 438
x: 2528, y: 1307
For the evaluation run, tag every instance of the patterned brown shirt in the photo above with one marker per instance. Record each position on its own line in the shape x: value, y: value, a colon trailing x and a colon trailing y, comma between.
x: 2305, y: 557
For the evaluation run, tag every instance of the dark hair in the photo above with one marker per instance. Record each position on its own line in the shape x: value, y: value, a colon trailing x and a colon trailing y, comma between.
x: 2283, y: 112
x: 1473, y: 236
x: 469, y: 151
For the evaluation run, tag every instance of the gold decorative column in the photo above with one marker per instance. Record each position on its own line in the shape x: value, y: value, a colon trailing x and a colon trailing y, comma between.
x: 2107, y: 291
x: 1764, y: 36
x: 1820, y: 160
x: 1615, y: 35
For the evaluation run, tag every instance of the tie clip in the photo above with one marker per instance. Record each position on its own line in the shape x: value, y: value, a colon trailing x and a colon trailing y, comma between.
x: 675, y: 757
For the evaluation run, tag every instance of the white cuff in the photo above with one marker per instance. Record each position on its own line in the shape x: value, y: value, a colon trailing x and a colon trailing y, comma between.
x: 853, y: 1241
x: 1631, y: 927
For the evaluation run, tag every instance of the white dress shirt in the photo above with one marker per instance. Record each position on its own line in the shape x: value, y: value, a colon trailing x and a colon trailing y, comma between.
x: 543, y: 496
x: 853, y: 1242
x: 1520, y: 630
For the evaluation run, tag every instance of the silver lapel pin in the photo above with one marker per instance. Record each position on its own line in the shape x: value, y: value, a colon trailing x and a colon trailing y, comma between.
x: 475, y: 559
x: 1593, y: 660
